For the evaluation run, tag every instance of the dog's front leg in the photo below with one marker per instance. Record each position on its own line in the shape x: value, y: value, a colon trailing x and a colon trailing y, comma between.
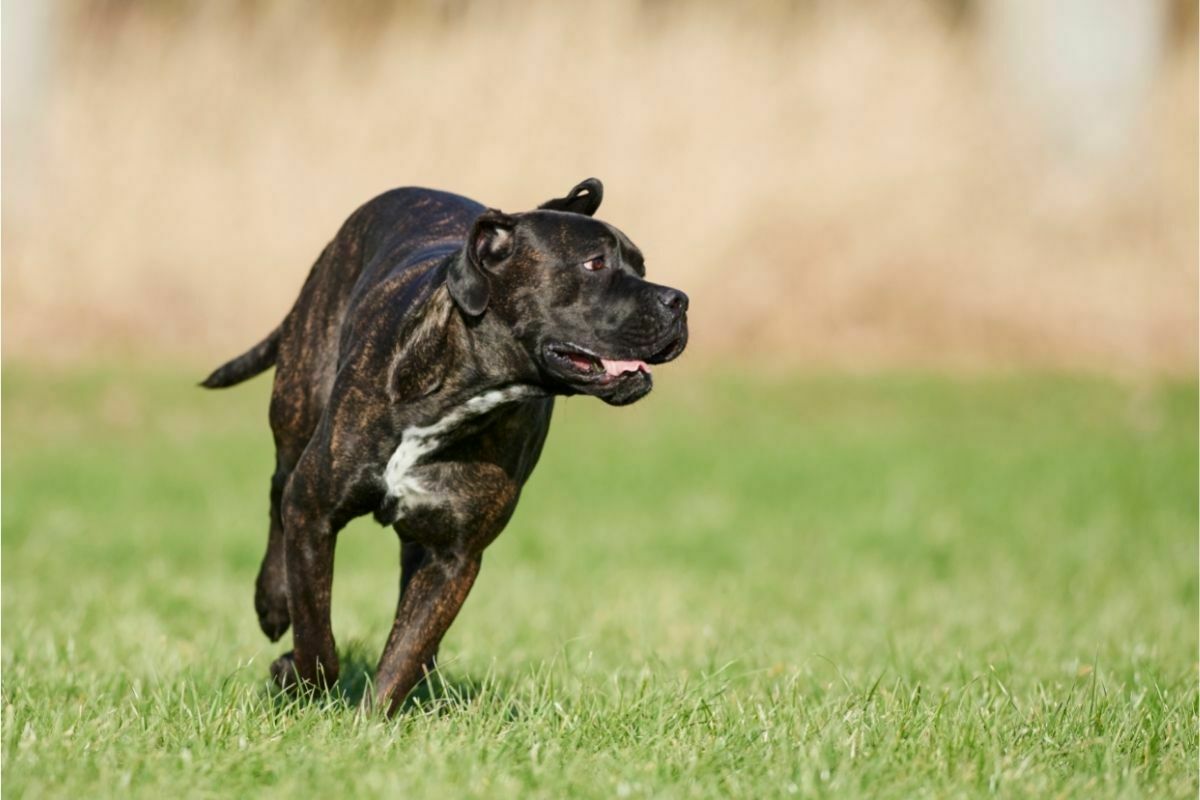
x: 431, y: 600
x: 412, y: 555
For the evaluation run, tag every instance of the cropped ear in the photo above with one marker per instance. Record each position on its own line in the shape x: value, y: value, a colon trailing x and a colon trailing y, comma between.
x: 489, y: 243
x: 583, y: 199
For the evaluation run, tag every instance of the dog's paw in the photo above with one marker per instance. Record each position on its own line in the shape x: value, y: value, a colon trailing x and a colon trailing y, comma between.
x: 272, y: 611
x: 283, y: 672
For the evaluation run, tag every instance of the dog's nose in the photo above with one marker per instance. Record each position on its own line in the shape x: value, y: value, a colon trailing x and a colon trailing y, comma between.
x: 673, y: 299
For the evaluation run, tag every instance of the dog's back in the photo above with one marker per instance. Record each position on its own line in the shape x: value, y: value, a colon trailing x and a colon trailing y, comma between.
x: 385, y: 234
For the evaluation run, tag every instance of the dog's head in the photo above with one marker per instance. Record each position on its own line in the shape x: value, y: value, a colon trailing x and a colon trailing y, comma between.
x: 573, y: 290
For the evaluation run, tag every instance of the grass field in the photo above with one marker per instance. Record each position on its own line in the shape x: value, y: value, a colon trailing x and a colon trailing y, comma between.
x: 895, y: 586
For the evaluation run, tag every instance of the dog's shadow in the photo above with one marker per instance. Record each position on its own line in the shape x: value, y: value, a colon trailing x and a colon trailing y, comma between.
x: 441, y: 692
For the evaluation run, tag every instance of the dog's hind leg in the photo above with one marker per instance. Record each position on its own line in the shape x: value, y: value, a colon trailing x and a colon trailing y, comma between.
x: 270, y: 589
x: 310, y: 536
x: 294, y: 413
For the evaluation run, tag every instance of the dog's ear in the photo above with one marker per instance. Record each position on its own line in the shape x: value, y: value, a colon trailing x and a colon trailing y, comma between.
x: 489, y: 244
x: 583, y: 199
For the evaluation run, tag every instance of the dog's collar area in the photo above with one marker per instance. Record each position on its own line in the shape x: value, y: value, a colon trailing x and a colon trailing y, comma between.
x: 486, y: 401
x: 404, y: 488
x: 471, y: 408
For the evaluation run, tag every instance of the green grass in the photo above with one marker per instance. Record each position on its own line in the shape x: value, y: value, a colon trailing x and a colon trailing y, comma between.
x: 822, y: 586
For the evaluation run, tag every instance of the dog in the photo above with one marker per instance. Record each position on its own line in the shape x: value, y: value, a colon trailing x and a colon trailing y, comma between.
x: 415, y: 378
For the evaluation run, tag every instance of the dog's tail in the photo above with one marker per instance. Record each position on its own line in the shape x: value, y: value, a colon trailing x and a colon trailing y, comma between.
x: 250, y: 363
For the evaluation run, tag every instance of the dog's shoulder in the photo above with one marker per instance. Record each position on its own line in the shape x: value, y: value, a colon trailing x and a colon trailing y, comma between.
x: 415, y: 212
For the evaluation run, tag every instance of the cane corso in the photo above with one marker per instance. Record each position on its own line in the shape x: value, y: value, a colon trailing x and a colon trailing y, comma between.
x: 415, y: 377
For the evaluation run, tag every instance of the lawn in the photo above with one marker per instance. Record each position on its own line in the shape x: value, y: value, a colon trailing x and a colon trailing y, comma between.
x: 889, y: 586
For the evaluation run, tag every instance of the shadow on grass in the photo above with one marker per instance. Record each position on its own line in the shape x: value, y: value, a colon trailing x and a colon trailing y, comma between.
x: 438, y: 694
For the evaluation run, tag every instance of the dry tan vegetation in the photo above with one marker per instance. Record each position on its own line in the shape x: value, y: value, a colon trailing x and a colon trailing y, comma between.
x: 832, y: 188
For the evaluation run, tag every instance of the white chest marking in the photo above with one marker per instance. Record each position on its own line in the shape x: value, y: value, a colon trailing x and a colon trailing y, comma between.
x: 417, y: 442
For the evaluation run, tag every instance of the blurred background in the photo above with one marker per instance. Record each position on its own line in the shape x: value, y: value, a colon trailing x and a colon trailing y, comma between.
x: 949, y: 183
x: 933, y: 446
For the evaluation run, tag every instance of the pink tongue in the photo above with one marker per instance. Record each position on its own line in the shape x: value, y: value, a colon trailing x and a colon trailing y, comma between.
x: 614, y: 367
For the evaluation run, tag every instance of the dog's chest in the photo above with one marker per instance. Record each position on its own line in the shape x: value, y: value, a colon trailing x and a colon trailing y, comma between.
x: 402, y: 475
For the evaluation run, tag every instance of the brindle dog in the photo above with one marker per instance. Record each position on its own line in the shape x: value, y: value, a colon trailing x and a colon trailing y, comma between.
x: 415, y: 377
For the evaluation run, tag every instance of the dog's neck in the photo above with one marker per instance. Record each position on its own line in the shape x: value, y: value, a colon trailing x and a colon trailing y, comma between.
x: 488, y: 355
x: 489, y: 341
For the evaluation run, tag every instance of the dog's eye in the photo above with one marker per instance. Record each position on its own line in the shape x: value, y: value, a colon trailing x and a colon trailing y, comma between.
x: 594, y: 264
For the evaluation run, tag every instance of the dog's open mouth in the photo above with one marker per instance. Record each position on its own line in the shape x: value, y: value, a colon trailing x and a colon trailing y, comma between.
x: 579, y: 363
x: 590, y: 365
x: 619, y: 378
